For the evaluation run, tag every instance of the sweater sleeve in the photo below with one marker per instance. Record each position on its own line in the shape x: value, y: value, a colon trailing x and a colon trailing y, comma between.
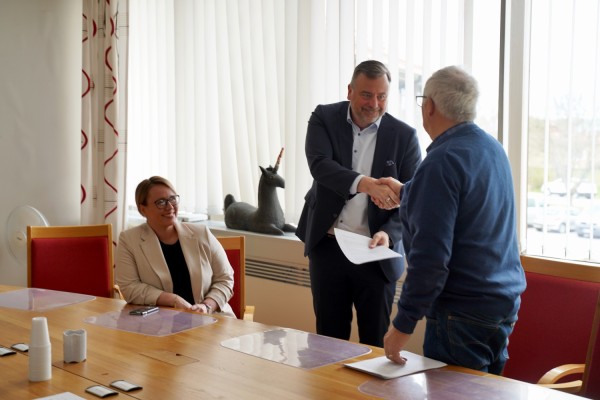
x: 429, y: 209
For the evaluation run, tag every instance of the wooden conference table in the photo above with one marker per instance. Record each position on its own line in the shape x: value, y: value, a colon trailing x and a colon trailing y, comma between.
x: 14, y: 383
x: 179, y: 355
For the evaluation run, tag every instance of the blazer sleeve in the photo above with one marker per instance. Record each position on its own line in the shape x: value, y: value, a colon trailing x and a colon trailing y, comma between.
x: 328, y: 149
x: 135, y: 288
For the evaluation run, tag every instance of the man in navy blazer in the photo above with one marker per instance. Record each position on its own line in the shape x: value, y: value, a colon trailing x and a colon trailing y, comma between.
x: 349, y: 145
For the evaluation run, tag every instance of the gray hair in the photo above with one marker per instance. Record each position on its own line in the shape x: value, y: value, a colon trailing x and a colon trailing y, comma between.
x: 454, y: 92
x: 372, y: 69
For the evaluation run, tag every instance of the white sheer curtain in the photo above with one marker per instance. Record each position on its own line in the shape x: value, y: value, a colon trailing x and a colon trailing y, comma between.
x: 216, y: 87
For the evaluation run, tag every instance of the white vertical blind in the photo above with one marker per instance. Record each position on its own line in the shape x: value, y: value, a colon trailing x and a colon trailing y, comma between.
x: 218, y: 87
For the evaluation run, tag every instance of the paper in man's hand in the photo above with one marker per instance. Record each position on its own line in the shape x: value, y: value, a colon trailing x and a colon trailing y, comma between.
x: 356, y: 248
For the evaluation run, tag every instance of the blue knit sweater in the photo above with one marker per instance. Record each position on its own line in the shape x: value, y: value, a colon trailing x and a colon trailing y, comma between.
x: 459, y: 230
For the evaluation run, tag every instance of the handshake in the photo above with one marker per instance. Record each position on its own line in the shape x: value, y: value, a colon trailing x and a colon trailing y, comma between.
x: 384, y: 192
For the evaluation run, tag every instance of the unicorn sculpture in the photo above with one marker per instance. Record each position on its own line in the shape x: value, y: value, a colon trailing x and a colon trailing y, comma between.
x: 268, y: 216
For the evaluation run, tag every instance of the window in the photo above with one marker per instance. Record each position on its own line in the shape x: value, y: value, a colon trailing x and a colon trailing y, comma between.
x: 563, y: 127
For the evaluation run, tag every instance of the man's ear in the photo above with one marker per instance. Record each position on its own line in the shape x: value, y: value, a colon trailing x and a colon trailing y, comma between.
x: 429, y: 107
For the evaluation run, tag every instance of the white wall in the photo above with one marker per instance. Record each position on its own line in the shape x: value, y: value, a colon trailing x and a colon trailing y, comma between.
x: 40, y: 112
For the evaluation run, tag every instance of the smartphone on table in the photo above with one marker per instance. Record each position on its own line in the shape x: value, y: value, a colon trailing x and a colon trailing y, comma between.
x: 144, y: 310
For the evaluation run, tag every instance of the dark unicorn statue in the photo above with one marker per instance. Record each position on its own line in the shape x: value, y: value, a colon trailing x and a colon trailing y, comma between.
x: 268, y: 216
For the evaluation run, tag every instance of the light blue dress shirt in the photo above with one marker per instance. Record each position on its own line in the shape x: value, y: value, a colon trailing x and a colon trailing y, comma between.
x: 353, y: 216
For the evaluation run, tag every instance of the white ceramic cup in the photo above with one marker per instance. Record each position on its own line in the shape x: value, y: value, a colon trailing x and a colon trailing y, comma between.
x: 74, y: 345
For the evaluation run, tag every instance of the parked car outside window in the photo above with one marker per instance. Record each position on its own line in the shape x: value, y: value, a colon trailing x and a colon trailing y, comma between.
x: 588, y: 222
x: 535, y: 202
x: 551, y: 212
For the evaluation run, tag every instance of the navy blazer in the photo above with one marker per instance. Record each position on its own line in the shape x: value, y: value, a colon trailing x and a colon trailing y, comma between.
x: 328, y: 148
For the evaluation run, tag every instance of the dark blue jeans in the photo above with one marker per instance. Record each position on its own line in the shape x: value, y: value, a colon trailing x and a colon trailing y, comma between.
x: 473, y: 341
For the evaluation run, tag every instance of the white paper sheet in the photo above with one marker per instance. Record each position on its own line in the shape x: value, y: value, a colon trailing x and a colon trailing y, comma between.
x: 62, y: 396
x: 386, y: 369
x: 356, y: 248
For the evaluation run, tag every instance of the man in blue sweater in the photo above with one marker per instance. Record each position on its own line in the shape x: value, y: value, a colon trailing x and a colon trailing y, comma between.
x: 459, y: 235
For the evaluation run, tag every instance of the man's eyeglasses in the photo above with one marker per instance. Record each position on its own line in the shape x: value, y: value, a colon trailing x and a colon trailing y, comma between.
x: 162, y: 203
x: 420, y: 100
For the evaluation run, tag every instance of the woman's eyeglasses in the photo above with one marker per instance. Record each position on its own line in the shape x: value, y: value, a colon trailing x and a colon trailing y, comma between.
x: 162, y: 203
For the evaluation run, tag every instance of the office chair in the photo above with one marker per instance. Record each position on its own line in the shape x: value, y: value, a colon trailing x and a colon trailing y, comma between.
x: 236, y: 254
x: 76, y: 259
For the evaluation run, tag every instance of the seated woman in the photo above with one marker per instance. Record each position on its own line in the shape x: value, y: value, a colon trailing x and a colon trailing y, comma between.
x: 167, y: 263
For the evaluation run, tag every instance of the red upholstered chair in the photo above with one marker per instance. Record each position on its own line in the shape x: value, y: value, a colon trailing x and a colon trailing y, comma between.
x: 590, y: 385
x: 555, y: 319
x: 74, y: 259
x: 236, y: 253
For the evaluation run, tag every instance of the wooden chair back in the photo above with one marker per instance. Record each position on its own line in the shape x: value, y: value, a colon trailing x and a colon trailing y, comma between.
x: 591, y: 375
x: 235, y: 248
x: 76, y: 259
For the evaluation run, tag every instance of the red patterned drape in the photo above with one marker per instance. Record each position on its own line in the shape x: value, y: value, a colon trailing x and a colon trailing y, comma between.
x: 102, y: 162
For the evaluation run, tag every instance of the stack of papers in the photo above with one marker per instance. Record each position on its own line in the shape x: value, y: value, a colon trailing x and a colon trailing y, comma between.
x: 386, y: 369
x: 191, y: 217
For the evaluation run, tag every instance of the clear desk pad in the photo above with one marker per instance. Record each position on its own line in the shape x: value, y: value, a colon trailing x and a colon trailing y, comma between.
x: 162, y: 323
x: 33, y: 299
x: 450, y: 385
x: 295, y: 348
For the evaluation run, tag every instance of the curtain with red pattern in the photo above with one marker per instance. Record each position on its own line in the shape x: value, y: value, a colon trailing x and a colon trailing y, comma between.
x: 103, y: 133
